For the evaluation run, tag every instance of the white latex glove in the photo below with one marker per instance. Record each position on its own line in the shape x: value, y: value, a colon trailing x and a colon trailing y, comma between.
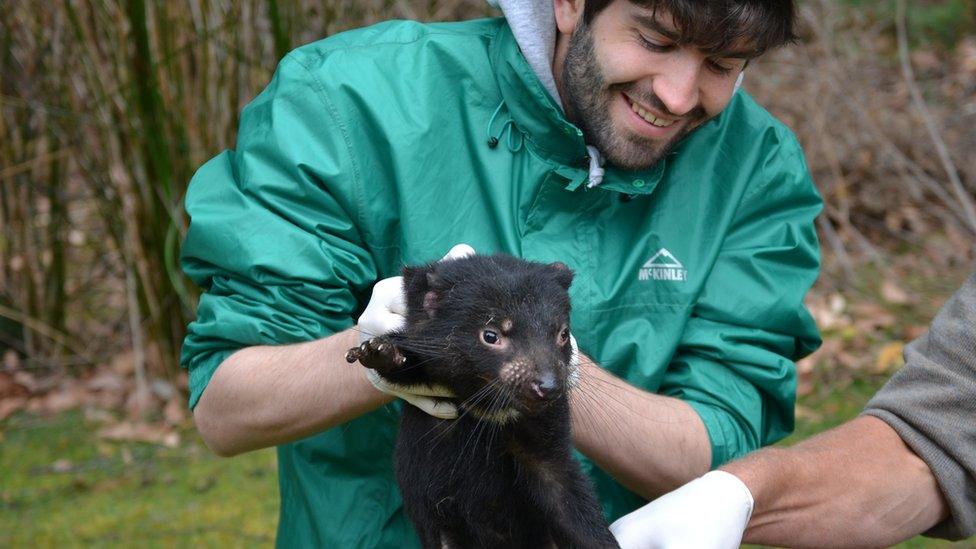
x: 424, y: 397
x: 710, y: 512
x: 385, y: 313
x: 572, y: 380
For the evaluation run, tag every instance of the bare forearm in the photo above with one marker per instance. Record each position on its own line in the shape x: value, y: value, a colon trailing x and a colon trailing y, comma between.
x: 855, y: 486
x: 649, y: 443
x: 264, y: 396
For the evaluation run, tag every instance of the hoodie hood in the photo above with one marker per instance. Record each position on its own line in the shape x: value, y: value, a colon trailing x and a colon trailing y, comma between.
x: 533, y: 22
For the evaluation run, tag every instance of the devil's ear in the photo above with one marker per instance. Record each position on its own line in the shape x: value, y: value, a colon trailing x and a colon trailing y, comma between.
x: 415, y: 278
x: 423, y: 287
x: 563, y: 274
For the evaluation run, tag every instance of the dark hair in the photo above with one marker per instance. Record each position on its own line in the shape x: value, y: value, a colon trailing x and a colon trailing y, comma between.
x: 716, y: 25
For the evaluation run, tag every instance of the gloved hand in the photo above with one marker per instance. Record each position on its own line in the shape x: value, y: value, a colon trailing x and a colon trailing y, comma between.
x: 386, y: 312
x: 424, y: 397
x: 710, y: 512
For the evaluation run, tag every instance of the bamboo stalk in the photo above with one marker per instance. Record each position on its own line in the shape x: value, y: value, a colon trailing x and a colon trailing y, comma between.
x: 279, y: 30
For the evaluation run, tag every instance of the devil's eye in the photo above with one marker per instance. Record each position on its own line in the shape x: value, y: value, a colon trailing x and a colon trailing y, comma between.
x: 490, y: 337
x: 564, y: 335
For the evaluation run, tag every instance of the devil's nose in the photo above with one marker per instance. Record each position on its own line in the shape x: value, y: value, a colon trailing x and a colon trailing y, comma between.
x: 544, y: 386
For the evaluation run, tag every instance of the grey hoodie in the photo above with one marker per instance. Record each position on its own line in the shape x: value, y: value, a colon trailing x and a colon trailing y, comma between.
x: 533, y: 22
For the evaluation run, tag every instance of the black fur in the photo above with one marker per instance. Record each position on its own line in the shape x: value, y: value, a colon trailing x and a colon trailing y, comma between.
x: 502, y: 474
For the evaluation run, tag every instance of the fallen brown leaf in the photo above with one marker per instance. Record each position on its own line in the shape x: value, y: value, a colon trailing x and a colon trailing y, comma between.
x: 62, y: 466
x: 869, y: 315
x: 106, y: 380
x: 889, y: 358
x: 11, y: 360
x: 912, y: 333
x: 893, y: 293
x: 10, y: 388
x: 807, y: 414
x: 140, y: 403
x: 829, y: 312
x: 966, y: 55
x: 10, y: 405
x: 925, y: 60
x: 140, y: 432
x: 124, y: 363
x: 175, y: 411
x: 69, y: 396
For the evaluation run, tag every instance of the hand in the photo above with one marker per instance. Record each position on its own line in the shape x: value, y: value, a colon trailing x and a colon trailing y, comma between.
x: 387, y: 309
x: 380, y: 357
x: 710, y: 512
x: 385, y: 313
x: 428, y: 398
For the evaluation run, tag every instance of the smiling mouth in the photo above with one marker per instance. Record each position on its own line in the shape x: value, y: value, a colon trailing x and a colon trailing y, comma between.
x: 649, y: 117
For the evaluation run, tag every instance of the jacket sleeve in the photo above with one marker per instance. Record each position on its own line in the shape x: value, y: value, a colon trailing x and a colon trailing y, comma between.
x: 274, y: 240
x: 931, y: 403
x: 735, y: 362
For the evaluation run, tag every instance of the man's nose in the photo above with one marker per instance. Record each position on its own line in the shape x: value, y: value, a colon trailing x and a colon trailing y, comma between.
x: 677, y: 86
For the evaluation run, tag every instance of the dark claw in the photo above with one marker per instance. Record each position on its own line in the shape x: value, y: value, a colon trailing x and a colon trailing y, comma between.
x: 377, y: 353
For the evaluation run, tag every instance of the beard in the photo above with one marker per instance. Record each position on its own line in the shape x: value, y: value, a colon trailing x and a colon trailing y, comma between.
x: 588, y: 102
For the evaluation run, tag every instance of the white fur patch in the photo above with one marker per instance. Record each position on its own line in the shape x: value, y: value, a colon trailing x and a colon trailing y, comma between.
x: 514, y: 372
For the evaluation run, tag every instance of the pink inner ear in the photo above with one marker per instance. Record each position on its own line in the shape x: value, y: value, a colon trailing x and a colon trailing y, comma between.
x: 430, y: 303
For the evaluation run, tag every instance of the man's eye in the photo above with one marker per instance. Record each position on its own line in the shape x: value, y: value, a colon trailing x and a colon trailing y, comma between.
x: 490, y: 337
x: 653, y: 45
x: 719, y: 67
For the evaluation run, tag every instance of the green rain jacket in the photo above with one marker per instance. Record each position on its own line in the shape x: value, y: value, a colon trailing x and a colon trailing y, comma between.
x: 368, y: 151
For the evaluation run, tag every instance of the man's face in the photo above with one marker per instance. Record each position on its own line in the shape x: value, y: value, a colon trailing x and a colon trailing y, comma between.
x: 635, y: 89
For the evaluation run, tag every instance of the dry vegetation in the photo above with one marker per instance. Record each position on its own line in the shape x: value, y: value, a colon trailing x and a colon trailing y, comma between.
x: 106, y: 108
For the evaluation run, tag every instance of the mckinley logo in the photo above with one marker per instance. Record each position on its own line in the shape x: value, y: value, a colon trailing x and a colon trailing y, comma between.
x: 663, y: 266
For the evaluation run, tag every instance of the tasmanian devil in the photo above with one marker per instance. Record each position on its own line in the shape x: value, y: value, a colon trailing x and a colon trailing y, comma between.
x: 495, y: 331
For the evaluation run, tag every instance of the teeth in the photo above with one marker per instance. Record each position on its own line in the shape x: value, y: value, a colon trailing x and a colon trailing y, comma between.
x: 650, y: 118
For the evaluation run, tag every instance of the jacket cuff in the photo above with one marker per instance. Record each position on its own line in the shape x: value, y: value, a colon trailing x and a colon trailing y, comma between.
x: 724, y: 433
x: 202, y: 370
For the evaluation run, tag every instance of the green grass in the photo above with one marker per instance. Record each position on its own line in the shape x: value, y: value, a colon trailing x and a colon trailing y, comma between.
x: 128, y: 494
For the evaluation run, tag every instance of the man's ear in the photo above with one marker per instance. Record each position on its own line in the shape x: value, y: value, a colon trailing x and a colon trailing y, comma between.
x: 569, y: 14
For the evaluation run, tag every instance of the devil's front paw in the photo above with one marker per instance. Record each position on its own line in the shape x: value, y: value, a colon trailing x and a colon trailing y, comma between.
x: 378, y: 353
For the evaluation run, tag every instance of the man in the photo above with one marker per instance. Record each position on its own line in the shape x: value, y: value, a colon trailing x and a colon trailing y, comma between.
x: 906, y: 466
x: 693, y: 245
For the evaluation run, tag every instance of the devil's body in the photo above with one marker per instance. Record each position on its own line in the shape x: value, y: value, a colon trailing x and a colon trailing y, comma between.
x: 501, y: 474
x: 477, y: 485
